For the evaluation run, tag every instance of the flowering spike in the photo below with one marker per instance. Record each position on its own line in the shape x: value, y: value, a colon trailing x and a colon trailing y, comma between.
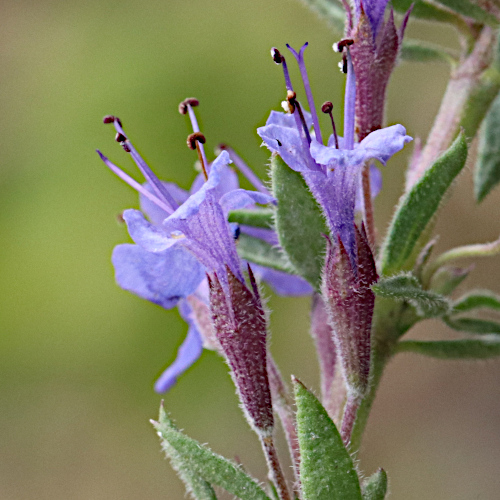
x: 307, y: 87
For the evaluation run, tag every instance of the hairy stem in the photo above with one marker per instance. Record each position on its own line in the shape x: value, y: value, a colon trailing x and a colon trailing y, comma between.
x: 462, y: 83
x: 273, y: 464
x: 350, y: 412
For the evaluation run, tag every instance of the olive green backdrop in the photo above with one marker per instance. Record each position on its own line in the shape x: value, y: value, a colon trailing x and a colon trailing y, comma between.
x: 79, y: 355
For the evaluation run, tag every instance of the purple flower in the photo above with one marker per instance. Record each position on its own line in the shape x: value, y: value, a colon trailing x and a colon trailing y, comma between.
x: 332, y: 172
x: 167, y: 267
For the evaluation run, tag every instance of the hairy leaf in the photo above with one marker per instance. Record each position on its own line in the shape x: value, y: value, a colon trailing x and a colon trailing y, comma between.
x: 473, y: 325
x: 487, y: 171
x: 418, y: 51
x: 375, y: 487
x: 407, y: 288
x: 256, y: 218
x: 477, y: 299
x: 326, y: 468
x: 417, y: 207
x: 258, y: 251
x: 202, y: 462
x: 480, y: 348
x: 299, y: 222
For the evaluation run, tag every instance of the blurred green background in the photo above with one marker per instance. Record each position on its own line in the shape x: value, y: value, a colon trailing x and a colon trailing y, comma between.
x: 79, y: 355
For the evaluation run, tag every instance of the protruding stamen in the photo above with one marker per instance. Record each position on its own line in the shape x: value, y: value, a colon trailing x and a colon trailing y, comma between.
x: 148, y: 174
x: 195, y: 141
x: 294, y: 104
x: 133, y: 183
x: 186, y: 106
x: 244, y: 169
x: 327, y: 108
x: 349, y: 104
x: 305, y: 79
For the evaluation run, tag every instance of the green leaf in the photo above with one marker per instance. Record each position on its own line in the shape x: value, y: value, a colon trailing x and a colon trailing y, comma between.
x: 477, y: 299
x: 326, y: 468
x: 418, y: 51
x: 375, y: 487
x: 262, y: 253
x: 406, y: 287
x: 483, y: 348
x: 487, y: 170
x: 202, y: 462
x: 473, y: 325
x: 447, y: 278
x: 470, y: 9
x: 198, y: 488
x: 425, y: 10
x: 299, y: 222
x: 330, y: 11
x: 480, y: 101
x: 417, y: 208
x: 256, y: 218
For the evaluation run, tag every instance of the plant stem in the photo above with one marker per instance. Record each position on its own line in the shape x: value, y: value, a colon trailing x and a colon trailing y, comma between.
x: 273, y: 464
x: 350, y: 411
x: 463, y: 81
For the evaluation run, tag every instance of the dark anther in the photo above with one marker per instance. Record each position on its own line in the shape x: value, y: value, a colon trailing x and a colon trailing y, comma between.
x: 120, y: 137
x: 108, y: 119
x: 339, y: 46
x: 279, y: 143
x: 327, y: 107
x: 125, y: 147
x: 343, y: 65
x: 237, y: 232
x: 191, y: 101
x: 291, y: 98
x: 194, y: 138
x: 276, y: 55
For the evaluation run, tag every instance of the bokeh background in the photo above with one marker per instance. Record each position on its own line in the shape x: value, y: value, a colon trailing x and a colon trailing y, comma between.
x: 79, y: 355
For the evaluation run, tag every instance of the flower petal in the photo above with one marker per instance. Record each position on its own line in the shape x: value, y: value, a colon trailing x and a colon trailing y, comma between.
x: 287, y: 285
x: 153, y: 212
x: 383, y: 143
x: 162, y: 277
x: 145, y: 234
x: 188, y: 353
x: 242, y: 198
x: 287, y: 143
x: 287, y: 120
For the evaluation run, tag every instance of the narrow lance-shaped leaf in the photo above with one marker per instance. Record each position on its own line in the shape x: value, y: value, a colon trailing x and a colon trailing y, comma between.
x: 197, y: 487
x: 326, y: 468
x: 470, y: 9
x: 487, y: 171
x: 299, y: 222
x: 480, y: 101
x: 418, y: 51
x: 256, y: 218
x: 424, y: 10
x: 473, y: 325
x: 477, y: 299
x: 375, y: 487
x: 406, y: 287
x: 478, y: 348
x: 213, y: 468
x: 417, y: 208
x: 262, y: 253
